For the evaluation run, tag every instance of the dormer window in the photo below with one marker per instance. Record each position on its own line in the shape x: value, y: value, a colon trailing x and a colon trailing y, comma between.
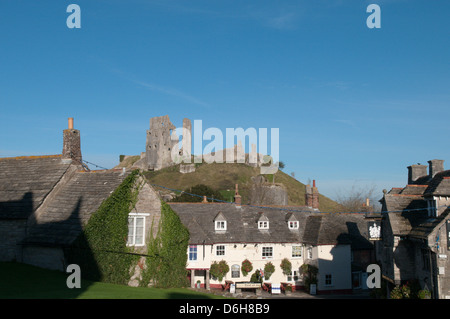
x: 291, y: 221
x: 263, y: 224
x: 221, y: 225
x: 293, y: 224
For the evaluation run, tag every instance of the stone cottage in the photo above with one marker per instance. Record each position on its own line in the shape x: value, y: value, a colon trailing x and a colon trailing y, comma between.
x: 46, y: 201
x: 415, y: 230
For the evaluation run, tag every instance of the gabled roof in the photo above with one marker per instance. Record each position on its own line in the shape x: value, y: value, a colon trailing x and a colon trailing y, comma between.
x: 220, y: 217
x: 424, y: 229
x: 314, y: 228
x: 262, y: 217
x: 407, y: 206
x: 26, y: 181
x: 63, y: 218
x: 439, y: 185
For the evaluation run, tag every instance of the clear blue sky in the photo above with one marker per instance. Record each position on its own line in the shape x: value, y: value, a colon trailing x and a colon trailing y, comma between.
x: 354, y: 105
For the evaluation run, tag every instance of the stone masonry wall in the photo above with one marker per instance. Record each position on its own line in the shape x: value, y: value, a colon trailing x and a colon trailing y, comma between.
x: 12, y: 231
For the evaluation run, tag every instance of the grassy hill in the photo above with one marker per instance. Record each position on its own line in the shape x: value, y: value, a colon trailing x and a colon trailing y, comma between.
x: 224, y: 176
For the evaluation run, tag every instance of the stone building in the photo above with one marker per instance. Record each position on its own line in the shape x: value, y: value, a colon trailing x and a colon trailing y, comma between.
x: 338, y: 244
x: 415, y: 230
x: 45, y: 202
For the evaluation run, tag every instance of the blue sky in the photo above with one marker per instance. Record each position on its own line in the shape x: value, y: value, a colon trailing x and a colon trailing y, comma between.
x: 355, y: 106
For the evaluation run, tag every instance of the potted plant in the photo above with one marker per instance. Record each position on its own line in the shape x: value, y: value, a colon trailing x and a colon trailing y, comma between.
x: 199, y: 284
x: 286, y: 266
x: 247, y: 267
x: 269, y: 269
x: 424, y: 294
x: 219, y: 269
x: 288, y: 290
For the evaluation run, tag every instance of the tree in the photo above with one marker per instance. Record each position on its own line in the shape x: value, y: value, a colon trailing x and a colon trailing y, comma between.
x: 355, y: 200
x: 310, y: 275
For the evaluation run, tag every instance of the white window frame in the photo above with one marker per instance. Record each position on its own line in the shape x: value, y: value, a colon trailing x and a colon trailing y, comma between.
x: 298, y: 247
x: 328, y: 277
x: 235, y: 271
x: 293, y: 276
x: 220, y: 225
x: 135, y: 216
x: 263, y: 224
x: 196, y: 252
x: 264, y: 251
x: 217, y: 250
x: 309, y: 253
x: 293, y: 224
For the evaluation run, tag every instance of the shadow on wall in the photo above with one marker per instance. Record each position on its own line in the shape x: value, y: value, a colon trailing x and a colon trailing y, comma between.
x: 336, y: 272
x: 40, y: 247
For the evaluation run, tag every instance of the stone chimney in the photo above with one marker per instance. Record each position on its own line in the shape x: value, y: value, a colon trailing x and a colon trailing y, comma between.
x: 237, y: 197
x: 435, y: 166
x: 416, y: 171
x: 308, y: 196
x: 315, y: 196
x: 71, y: 143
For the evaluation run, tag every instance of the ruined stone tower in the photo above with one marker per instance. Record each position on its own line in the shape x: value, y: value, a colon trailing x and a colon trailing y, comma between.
x: 162, y: 143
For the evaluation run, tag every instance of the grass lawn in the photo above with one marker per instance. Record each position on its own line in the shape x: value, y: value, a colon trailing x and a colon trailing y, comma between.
x: 21, y: 281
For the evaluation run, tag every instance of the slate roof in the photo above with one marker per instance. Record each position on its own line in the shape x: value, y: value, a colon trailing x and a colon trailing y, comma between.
x: 314, y: 228
x: 439, y: 185
x: 407, y: 207
x: 26, y: 181
x: 424, y: 229
x: 62, y: 220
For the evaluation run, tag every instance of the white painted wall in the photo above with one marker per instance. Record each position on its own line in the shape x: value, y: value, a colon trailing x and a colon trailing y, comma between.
x: 237, y: 253
x: 334, y: 261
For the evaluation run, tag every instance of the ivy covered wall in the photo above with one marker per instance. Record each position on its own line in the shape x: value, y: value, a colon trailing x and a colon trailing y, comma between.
x: 167, y: 252
x: 101, y: 250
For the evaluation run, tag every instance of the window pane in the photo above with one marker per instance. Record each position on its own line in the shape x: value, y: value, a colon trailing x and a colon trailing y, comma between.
x: 130, y: 231
x: 192, y: 252
x: 296, y: 251
x: 139, y: 240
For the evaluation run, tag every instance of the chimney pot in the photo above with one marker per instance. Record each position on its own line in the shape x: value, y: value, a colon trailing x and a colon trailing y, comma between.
x: 70, y: 123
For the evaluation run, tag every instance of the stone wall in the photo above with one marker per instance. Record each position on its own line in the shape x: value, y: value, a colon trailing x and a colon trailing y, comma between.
x: 45, y: 257
x: 12, y: 231
x: 264, y: 193
x: 149, y: 204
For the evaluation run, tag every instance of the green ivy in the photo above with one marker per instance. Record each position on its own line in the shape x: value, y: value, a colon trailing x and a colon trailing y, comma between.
x: 167, y: 252
x: 100, y: 250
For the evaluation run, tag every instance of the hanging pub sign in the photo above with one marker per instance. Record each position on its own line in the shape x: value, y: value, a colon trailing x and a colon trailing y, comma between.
x: 374, y: 228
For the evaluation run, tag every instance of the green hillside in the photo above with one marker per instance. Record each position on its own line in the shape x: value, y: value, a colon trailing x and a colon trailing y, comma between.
x: 223, y: 177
